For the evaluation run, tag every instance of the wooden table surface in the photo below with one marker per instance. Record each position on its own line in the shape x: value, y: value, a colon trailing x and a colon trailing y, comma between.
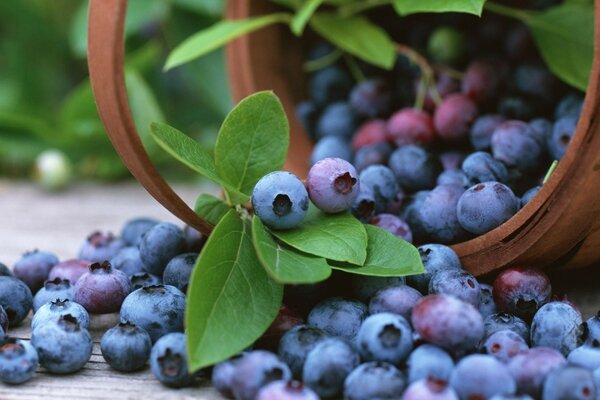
x: 31, y: 218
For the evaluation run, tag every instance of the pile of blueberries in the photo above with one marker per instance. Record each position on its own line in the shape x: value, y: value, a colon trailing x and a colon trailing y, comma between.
x: 470, y: 153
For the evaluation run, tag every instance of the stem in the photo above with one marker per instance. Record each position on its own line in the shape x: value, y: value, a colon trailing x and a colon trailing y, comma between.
x: 507, y: 11
x: 550, y: 171
x: 357, y: 8
x: 322, y: 62
x: 427, y: 83
x: 355, y: 71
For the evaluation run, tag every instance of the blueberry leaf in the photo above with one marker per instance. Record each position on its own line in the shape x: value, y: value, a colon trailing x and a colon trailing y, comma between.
x: 357, y: 36
x: 252, y: 141
x: 283, y: 263
x: 303, y: 15
x: 231, y: 299
x: 387, y: 255
x: 339, y: 237
x: 406, y: 7
x: 210, y: 208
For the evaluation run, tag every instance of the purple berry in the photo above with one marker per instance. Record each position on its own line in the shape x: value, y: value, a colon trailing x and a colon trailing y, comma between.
x: 371, y: 98
x: 255, y: 370
x: 481, y: 82
x: 374, y: 380
x: 500, y: 321
x: 286, y: 390
x: 223, y: 373
x: 57, y: 289
x: 480, y: 376
x: 102, y: 289
x: 33, y: 268
x: 338, y: 317
x: 454, y: 116
x: 415, y: 168
x: 516, y: 145
x: 530, y: 368
x: 522, y: 291
x: 530, y: 194
x: 457, y: 283
x: 411, y: 126
x: 393, y: 224
x: 429, y: 362
x: 557, y: 325
x: 333, y: 185
x: 71, y: 270
x: 430, y: 389
x: 435, y: 257
x: 438, y: 214
x: 482, y: 130
x: 485, y: 206
x: 504, y: 345
x: 397, y: 299
x: 100, y: 247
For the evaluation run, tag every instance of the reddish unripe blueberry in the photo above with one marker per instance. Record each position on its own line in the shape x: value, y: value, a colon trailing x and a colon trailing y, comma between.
x: 371, y: 132
x: 102, y: 289
x: 505, y: 344
x: 448, y: 322
x: 71, y: 270
x: 454, y: 116
x: 393, y: 224
x: 445, y: 85
x: 530, y: 368
x: 430, y: 389
x: 100, y: 247
x: 411, y: 126
x: 522, y: 291
x: 333, y: 185
x: 481, y: 82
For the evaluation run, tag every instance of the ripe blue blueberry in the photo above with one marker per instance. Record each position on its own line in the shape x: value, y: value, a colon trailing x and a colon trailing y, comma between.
x: 529, y: 194
x: 254, y: 370
x: 516, y: 107
x: 280, y: 200
x: 99, y: 247
x: 33, y: 268
x: 331, y: 146
x: 222, y: 375
x: 482, y: 167
x: 522, y: 291
x: 57, y: 289
x: 504, y: 345
x: 372, y: 154
x: 398, y: 299
x: 327, y: 366
x: 571, y: 105
x: 562, y: 133
x: 168, y: 360
x: 5, y: 271
x: 102, y: 289
x: 500, y: 321
x: 371, y: 98
x: 516, y: 145
x: 385, y: 337
x: 3, y: 319
x: 430, y: 389
x: 482, y: 130
x: 15, y: 298
x: 338, y: 317
x: 179, y: 270
x: 410, y: 212
x: 415, y: 167
x: 364, y: 205
x: 129, y: 261
x: 457, y: 283
x: 337, y: 119
x: 557, y: 325
x: 453, y: 177
x: 429, y: 362
x: 535, y: 81
x: 333, y: 185
x: 486, y: 300
x: 481, y: 376
x: 374, y: 380
x: 157, y: 309
x: 530, y: 369
x: 486, y: 206
x: 307, y: 113
x: 452, y: 159
x: 592, y: 331
x: 134, y: 229
x: 62, y: 345
x: 18, y: 361
x: 143, y: 279
x: 435, y: 257
x: 286, y: 390
x: 194, y: 239
x: 439, y: 217
x: 585, y: 356
x: 328, y: 85
x: 55, y: 309
x: 295, y: 345
x: 382, y: 183
x: 126, y: 347
x: 542, y: 129
x: 159, y: 245
x: 393, y: 224
x: 570, y: 382
x: 364, y: 287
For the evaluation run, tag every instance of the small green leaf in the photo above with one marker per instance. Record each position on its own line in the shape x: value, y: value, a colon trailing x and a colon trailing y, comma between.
x: 387, y: 255
x: 283, y: 263
x: 210, y: 208
x: 192, y: 154
x: 339, y: 237
x: 303, y: 15
x: 231, y: 299
x: 252, y: 141
x: 358, y: 36
x: 406, y: 7
x: 218, y: 35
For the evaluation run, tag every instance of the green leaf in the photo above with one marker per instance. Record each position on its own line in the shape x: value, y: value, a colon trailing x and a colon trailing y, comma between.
x: 231, y: 299
x: 303, y: 15
x: 406, y: 7
x: 283, y: 263
x: 387, y: 255
x: 252, y: 141
x: 358, y: 36
x: 210, y: 208
x: 339, y: 237
x: 218, y: 35
x: 565, y: 36
x: 191, y: 153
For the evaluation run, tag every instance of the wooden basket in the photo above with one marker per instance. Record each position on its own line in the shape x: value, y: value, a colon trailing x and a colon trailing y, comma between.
x: 559, y: 228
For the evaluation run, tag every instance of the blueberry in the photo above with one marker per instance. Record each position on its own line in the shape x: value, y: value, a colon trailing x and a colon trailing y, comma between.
x: 452, y: 159
x: 371, y: 98
x: 411, y: 126
x: 102, y: 289
x: 393, y: 224
x: 410, y: 212
x: 331, y: 146
x: 168, y: 360
x: 307, y: 113
x: 457, y: 283
x: 57, y: 289
x: 100, y: 247
x: 159, y: 245
x: 592, y: 331
x: 333, y: 185
x: 562, y: 134
x: 15, y: 298
x: 521, y: 291
x: 365, y: 287
x: 453, y: 177
x: 415, y: 168
x: 126, y: 347
x: 454, y: 116
x: 516, y: 144
x: 71, y: 270
x: 486, y: 206
x: 585, y: 356
x: 535, y: 81
x: 517, y: 107
x: 481, y: 377
x: 570, y: 106
x: 504, y: 345
x: 5, y: 271
x: 385, y: 337
x: 448, y: 322
x: 62, y: 345
x: 134, y: 229
x: 194, y: 239
x: 446, y: 45
x: 381, y: 182
x: 369, y: 133
x: 541, y: 129
x: 157, y: 309
x: 438, y: 214
x: 179, y: 270
x: 398, y: 299
x: 129, y: 261
x: 280, y: 200
x: 512, y: 397
x: 338, y: 317
x: 55, y: 309
x: 286, y: 390
x: 482, y: 167
x: 430, y: 389
x: 33, y: 268
x: 327, y: 366
x: 328, y: 85
x: 18, y: 361
x: 570, y: 382
x: 3, y: 319
x: 435, y: 257
x: 530, y: 368
x: 222, y: 375
x: 528, y: 195
x: 557, y: 325
x: 143, y: 279
x: 486, y: 300
x: 254, y: 370
x: 374, y: 380
x: 500, y: 321
x: 338, y: 119
x: 295, y: 345
x: 481, y: 82
x: 372, y: 154
x: 429, y: 362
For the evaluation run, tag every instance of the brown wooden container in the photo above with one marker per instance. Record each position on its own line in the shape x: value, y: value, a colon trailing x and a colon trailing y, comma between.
x: 559, y: 228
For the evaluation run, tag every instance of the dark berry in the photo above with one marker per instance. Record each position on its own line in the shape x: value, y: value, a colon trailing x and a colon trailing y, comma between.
x: 562, y: 134
x: 129, y: 261
x: 372, y: 154
x: 516, y: 145
x: 338, y: 119
x: 179, y: 269
x: 592, y: 331
x: 439, y: 217
x: 126, y: 347
x: 5, y: 271
x: 33, y: 268
x: 486, y: 206
x: 482, y: 167
x: 415, y: 168
x: 328, y: 85
x: 522, y: 291
x: 307, y: 113
x: 194, y: 239
x: 382, y: 184
x: 159, y: 245
x: 143, y: 279
x: 15, y: 298
x: 481, y: 82
x: 295, y: 345
x: 570, y: 106
x: 134, y: 229
x: 102, y: 289
x: 371, y: 98
x: 169, y: 362
x: 338, y: 317
x: 483, y: 129
x: 530, y: 194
